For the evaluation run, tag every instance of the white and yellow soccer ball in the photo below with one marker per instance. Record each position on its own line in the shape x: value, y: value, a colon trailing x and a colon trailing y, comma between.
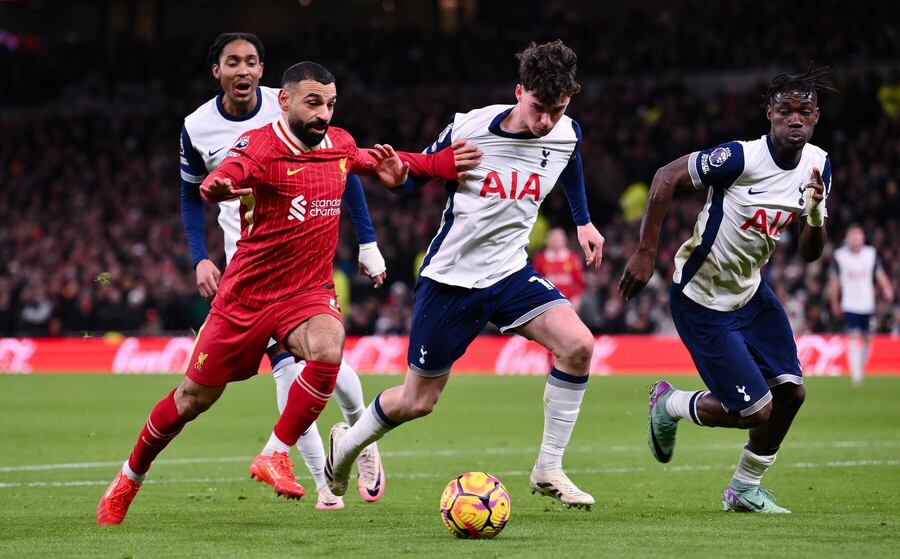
x: 475, y: 505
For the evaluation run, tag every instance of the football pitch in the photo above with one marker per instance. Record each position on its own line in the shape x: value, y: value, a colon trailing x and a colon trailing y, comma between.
x: 62, y: 439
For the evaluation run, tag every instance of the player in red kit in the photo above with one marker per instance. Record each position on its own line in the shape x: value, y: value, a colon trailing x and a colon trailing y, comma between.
x: 290, y: 176
x: 561, y: 267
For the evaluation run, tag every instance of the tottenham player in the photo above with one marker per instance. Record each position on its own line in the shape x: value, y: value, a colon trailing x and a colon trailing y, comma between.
x: 296, y: 169
x: 726, y: 315
x: 237, y: 62
x: 855, y: 270
x: 476, y: 269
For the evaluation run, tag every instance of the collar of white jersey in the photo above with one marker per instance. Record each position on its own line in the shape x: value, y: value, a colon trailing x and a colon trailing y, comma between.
x: 284, y: 133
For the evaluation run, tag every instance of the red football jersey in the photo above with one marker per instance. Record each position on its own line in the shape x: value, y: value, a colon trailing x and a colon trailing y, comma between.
x: 564, y: 271
x: 290, y: 223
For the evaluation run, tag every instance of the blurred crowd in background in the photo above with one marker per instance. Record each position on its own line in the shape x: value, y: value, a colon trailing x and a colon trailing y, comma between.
x: 90, y: 229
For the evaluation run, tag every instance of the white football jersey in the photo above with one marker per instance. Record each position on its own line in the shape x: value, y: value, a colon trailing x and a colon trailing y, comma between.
x: 752, y: 199
x: 483, y: 236
x: 206, y: 136
x: 856, y: 272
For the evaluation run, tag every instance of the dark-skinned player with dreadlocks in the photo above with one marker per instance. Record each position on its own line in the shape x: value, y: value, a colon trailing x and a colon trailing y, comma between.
x: 726, y: 315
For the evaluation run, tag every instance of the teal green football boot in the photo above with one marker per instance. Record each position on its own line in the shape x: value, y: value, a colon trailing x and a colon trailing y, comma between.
x: 740, y: 497
x: 661, y: 427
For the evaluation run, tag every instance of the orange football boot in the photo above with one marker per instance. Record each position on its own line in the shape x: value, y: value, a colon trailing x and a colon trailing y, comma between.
x: 278, y: 471
x: 114, y: 503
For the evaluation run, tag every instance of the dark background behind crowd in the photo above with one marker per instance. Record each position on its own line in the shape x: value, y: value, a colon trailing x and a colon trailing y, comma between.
x: 91, y: 105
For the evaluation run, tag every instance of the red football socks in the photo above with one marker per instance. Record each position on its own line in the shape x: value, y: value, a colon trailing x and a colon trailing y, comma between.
x: 306, y: 399
x: 162, y: 426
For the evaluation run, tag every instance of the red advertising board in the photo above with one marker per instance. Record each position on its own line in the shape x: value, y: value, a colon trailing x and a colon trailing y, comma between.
x: 820, y: 355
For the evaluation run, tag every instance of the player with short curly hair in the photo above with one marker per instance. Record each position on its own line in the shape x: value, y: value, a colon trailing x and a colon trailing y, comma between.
x: 476, y: 269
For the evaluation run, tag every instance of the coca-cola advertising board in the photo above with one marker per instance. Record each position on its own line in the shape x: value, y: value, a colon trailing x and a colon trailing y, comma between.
x: 820, y: 355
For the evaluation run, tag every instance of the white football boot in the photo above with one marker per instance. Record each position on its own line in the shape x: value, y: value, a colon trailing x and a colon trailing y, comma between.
x: 556, y: 484
x: 371, y: 474
x: 337, y: 470
x: 328, y: 500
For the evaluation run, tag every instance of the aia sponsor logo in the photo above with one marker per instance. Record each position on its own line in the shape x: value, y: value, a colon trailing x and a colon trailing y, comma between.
x: 760, y: 222
x: 494, y: 184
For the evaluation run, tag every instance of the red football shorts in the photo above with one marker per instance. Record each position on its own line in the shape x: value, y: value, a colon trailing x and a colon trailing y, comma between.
x: 232, y: 341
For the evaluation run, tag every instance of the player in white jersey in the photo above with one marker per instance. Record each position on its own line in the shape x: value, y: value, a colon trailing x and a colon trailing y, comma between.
x: 237, y: 64
x: 476, y: 269
x: 727, y: 316
x: 855, y: 270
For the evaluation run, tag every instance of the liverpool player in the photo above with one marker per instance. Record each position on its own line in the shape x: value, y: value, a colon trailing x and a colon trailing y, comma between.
x: 561, y: 266
x: 292, y: 173
x: 236, y: 61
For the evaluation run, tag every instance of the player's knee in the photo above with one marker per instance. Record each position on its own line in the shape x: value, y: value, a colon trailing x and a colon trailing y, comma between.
x: 420, y: 409
x: 791, y: 396
x: 420, y: 405
x: 760, y: 417
x: 327, y: 352
x: 578, y: 352
x: 190, y: 404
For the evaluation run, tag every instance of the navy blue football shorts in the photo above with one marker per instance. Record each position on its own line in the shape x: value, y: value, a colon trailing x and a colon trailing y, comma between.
x: 740, y: 354
x: 854, y: 322
x: 446, y: 318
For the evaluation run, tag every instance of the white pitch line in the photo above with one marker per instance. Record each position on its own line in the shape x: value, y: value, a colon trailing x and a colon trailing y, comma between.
x: 452, y: 452
x: 509, y: 473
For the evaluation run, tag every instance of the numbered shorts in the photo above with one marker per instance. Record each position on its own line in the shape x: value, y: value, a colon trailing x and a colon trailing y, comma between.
x: 854, y: 322
x: 447, y: 318
x: 739, y: 354
x: 232, y: 341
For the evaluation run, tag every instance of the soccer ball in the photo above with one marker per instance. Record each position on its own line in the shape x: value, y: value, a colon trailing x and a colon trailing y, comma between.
x: 475, y: 505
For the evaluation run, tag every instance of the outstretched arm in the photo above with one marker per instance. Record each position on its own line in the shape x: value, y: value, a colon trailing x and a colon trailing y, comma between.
x: 639, y: 270
x: 465, y: 158
x: 449, y: 163
x: 224, y: 183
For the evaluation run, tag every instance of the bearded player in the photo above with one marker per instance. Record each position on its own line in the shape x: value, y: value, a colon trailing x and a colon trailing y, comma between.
x: 476, y: 269
x: 237, y: 62
x: 727, y: 316
x: 294, y: 168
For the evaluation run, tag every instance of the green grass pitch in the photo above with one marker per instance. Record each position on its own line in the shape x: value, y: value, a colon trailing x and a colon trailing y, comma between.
x: 61, y: 438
